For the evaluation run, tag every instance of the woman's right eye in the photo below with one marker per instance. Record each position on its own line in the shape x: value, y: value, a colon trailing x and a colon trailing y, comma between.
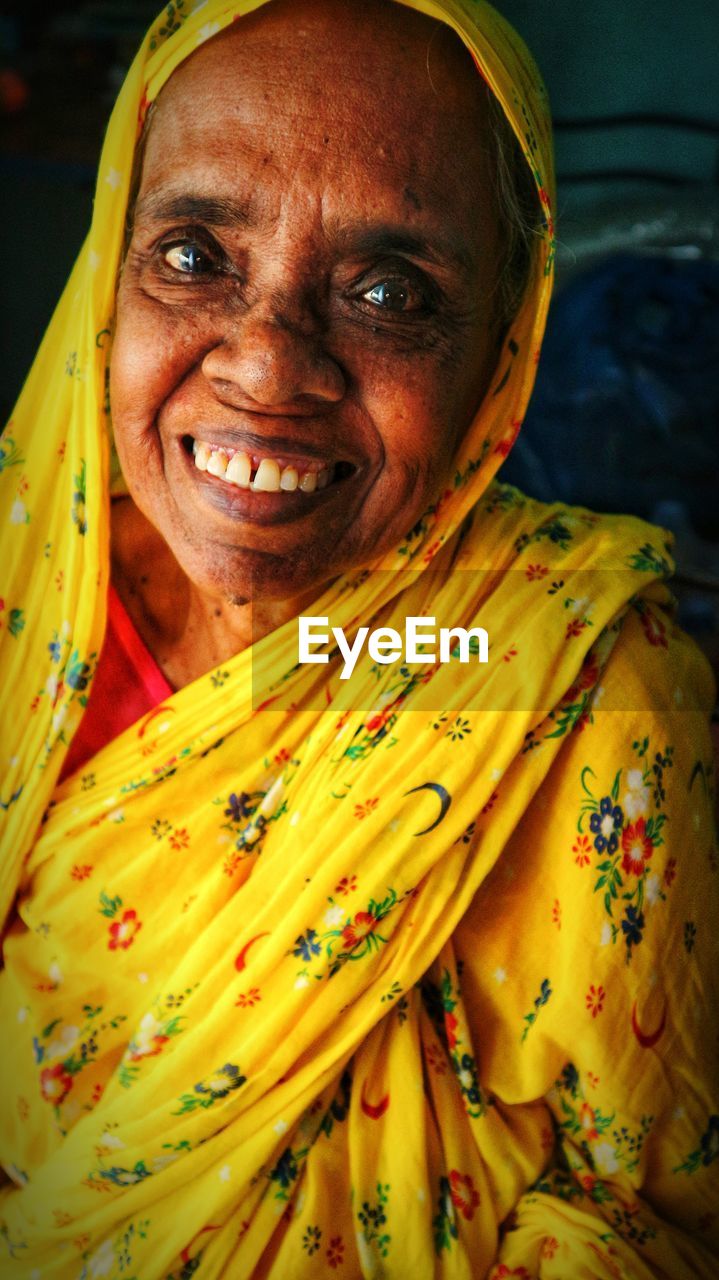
x: 189, y: 258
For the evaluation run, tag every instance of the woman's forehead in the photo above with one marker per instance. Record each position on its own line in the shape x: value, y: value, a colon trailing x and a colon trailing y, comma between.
x: 312, y: 35
x: 337, y: 91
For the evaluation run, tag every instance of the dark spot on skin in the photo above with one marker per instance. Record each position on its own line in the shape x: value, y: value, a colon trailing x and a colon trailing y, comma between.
x: 218, y: 613
x: 325, y: 139
x: 413, y: 198
x: 143, y: 579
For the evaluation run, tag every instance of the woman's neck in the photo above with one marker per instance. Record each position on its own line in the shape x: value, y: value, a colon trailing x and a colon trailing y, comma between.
x: 187, y: 630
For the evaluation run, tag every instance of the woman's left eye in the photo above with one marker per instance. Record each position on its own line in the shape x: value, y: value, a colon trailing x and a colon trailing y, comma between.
x: 188, y: 258
x: 394, y: 295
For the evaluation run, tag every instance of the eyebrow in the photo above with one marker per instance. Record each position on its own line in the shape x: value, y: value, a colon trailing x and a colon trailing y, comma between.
x: 217, y: 211
x: 355, y: 238
x: 384, y: 238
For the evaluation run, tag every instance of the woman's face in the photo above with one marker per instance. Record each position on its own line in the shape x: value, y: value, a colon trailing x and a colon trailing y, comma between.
x: 309, y: 282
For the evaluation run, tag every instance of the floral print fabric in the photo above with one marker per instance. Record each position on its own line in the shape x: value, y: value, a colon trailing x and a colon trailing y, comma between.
x: 407, y: 975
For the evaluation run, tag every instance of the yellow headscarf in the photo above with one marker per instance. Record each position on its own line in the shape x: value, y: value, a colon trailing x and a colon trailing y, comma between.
x: 212, y: 994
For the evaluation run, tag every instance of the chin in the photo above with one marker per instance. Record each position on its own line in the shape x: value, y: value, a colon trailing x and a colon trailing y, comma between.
x: 254, y: 576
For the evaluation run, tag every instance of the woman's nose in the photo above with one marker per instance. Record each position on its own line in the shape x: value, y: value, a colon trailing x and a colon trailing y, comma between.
x: 268, y: 361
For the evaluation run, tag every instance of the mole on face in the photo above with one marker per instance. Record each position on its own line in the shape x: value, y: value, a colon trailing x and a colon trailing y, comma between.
x: 412, y: 197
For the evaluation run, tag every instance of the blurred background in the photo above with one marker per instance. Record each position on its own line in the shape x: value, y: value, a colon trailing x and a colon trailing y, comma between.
x: 625, y: 416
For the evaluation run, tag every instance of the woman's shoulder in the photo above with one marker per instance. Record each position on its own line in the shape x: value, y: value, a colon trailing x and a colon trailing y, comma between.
x: 608, y: 884
x: 511, y: 529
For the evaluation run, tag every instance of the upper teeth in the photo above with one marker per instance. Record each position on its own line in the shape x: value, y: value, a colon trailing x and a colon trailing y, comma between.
x: 237, y: 468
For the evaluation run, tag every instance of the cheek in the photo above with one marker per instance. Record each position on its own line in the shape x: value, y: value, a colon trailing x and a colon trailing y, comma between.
x: 150, y: 357
x: 417, y: 408
x: 138, y: 383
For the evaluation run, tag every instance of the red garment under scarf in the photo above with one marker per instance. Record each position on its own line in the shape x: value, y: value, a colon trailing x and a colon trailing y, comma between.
x: 127, y: 684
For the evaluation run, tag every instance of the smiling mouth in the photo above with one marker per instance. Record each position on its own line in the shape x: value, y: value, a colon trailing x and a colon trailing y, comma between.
x: 266, y: 472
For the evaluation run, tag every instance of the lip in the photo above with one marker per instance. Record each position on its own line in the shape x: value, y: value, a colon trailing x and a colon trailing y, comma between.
x: 256, y: 506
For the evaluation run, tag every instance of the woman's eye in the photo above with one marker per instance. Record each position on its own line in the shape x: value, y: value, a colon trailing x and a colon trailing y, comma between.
x: 391, y: 295
x: 188, y: 258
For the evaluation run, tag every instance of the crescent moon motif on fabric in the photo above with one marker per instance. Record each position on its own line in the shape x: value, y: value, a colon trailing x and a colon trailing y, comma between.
x: 185, y: 1255
x: 648, y: 1039
x: 156, y: 711
x: 241, y: 958
x: 267, y: 702
x: 445, y: 800
x: 373, y: 1109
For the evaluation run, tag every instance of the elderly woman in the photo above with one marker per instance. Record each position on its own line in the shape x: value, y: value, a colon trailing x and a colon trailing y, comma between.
x: 405, y: 975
